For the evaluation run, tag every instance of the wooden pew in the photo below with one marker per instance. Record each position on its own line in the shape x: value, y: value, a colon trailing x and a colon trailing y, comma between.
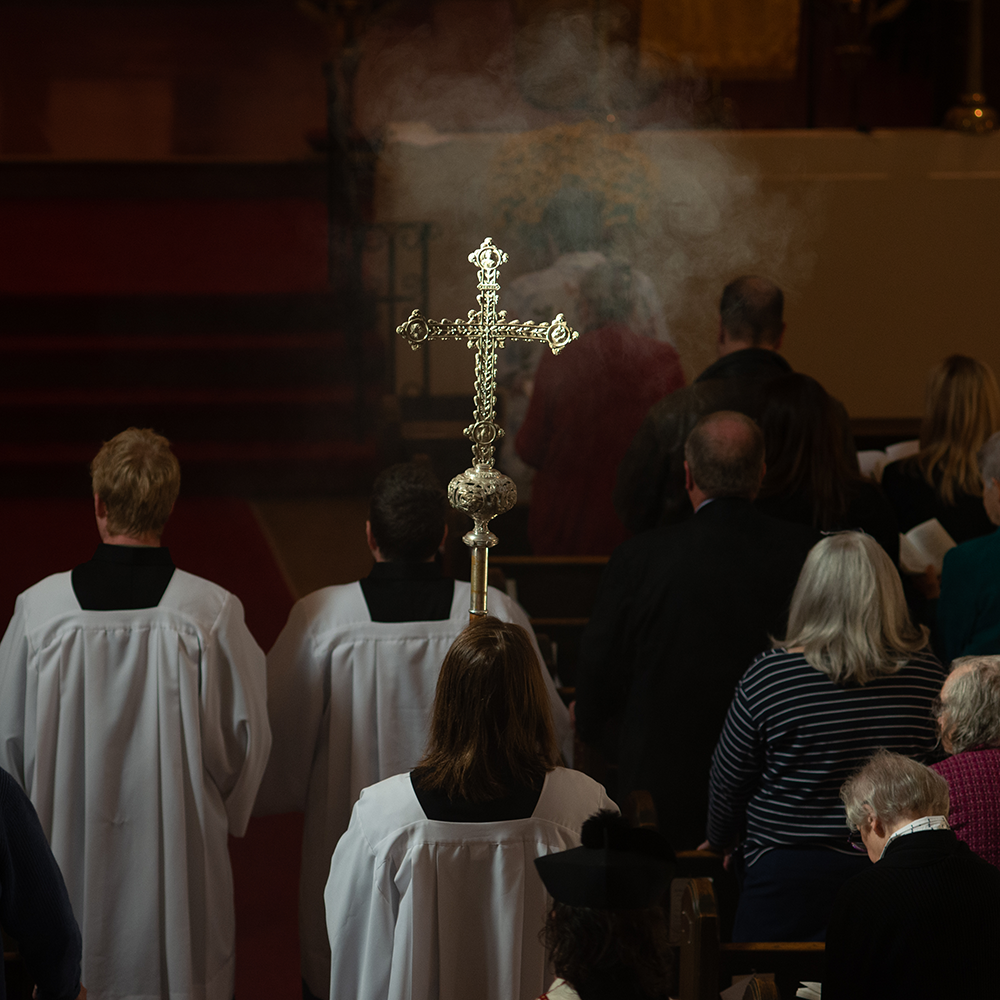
x: 558, y: 593
x: 707, y: 966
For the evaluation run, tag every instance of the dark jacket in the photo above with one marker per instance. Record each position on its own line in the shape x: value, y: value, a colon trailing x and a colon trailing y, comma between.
x: 34, y: 905
x: 924, y: 922
x: 681, y: 613
x: 915, y: 501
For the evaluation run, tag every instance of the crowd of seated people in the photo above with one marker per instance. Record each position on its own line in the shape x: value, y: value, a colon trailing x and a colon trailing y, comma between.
x: 450, y: 849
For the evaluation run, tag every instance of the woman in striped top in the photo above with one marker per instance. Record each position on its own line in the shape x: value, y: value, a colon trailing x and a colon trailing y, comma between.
x: 853, y: 674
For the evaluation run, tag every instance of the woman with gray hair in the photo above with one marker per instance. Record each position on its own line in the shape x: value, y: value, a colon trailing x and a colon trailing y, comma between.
x: 969, y: 722
x: 924, y: 921
x: 852, y: 674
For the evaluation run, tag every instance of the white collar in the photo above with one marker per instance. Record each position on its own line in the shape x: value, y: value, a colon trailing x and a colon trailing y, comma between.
x: 918, y: 826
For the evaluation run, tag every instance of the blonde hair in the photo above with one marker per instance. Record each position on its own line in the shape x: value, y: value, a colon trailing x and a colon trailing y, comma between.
x: 138, y: 478
x: 893, y: 788
x: 961, y: 411
x: 848, y: 612
x: 492, y: 725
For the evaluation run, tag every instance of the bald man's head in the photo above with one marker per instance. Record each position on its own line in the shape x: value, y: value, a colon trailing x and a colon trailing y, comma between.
x: 725, y: 455
x: 752, y: 312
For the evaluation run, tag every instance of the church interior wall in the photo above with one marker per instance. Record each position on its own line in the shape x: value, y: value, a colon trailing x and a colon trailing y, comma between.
x: 884, y: 244
x: 882, y: 239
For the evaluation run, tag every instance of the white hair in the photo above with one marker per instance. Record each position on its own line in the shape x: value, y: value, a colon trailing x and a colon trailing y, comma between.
x: 890, y: 788
x: 988, y: 459
x: 848, y: 612
x: 971, y: 715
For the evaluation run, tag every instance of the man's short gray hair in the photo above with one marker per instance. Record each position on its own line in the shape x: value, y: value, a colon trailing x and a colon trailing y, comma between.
x: 988, y: 459
x: 725, y: 453
x: 891, y: 788
x: 971, y: 715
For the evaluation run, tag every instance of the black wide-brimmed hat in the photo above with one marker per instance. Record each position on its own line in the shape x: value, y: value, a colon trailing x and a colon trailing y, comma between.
x: 617, y: 868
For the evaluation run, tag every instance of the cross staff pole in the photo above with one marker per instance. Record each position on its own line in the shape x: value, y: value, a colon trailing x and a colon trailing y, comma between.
x: 482, y: 492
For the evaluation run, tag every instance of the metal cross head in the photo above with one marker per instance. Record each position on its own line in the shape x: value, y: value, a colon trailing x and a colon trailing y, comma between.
x: 486, y: 329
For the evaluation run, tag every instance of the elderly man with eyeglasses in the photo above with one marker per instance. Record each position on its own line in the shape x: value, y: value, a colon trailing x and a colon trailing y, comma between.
x: 924, y: 920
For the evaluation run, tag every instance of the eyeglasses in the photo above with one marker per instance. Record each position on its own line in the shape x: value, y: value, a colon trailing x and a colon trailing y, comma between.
x: 854, y: 839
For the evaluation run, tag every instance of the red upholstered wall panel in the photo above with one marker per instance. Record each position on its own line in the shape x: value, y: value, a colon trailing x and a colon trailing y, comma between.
x: 198, y: 246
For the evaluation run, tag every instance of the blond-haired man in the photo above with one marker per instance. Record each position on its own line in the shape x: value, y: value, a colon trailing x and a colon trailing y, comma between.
x: 133, y: 713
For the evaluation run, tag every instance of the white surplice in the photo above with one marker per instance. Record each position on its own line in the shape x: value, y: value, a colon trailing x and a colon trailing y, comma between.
x: 420, y: 909
x: 350, y: 703
x: 140, y: 737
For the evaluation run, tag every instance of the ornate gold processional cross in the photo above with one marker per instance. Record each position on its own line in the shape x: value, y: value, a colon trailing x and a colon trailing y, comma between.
x: 482, y: 492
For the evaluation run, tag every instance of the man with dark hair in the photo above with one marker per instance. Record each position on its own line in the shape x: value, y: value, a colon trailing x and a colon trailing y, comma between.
x: 351, y: 683
x: 650, y: 487
x: 752, y: 313
x: 681, y: 612
x: 133, y: 713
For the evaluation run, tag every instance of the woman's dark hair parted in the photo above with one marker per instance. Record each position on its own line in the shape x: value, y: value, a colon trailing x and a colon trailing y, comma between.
x: 491, y: 726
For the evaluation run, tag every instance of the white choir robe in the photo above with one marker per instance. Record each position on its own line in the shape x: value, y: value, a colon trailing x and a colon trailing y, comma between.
x: 420, y: 909
x: 140, y: 737
x: 350, y: 703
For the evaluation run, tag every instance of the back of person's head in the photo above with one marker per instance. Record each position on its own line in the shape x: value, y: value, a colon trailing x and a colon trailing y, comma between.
x: 606, y: 933
x: 725, y: 453
x: 848, y: 611
x: 961, y: 410
x: 137, y: 477
x: 969, y: 712
x: 573, y: 219
x: 893, y: 789
x: 988, y: 459
x: 804, y: 447
x: 491, y: 727
x: 607, y: 294
x: 752, y: 311
x: 408, y: 511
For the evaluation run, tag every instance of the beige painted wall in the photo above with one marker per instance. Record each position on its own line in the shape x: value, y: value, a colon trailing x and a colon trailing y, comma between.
x: 887, y: 244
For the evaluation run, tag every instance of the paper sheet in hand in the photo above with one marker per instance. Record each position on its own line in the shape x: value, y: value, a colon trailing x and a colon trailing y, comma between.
x: 923, y: 546
x: 810, y: 991
x: 871, y: 463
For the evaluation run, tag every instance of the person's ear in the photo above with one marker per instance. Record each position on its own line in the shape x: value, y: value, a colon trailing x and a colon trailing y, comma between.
x: 370, y: 538
x: 100, y: 508
x: 444, y: 539
x: 688, y: 478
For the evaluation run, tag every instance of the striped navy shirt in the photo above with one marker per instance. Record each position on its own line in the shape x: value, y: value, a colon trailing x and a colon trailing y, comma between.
x: 792, y: 737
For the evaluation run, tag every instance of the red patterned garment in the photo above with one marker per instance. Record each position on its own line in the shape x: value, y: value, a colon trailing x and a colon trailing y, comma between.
x: 974, y: 783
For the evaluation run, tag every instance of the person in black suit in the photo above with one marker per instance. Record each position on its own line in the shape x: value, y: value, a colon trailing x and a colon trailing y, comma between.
x: 681, y: 612
x: 923, y: 922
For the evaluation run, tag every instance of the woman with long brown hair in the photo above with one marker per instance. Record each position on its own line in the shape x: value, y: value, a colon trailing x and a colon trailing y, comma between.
x: 432, y: 893
x: 962, y: 409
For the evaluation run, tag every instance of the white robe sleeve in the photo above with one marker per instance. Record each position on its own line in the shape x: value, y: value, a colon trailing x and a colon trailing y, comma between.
x: 13, y: 693
x: 297, y: 696
x: 509, y: 610
x: 361, y: 910
x: 235, y: 733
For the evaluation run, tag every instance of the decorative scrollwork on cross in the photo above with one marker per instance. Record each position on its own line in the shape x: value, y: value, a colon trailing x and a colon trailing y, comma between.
x: 486, y: 330
x: 482, y: 492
